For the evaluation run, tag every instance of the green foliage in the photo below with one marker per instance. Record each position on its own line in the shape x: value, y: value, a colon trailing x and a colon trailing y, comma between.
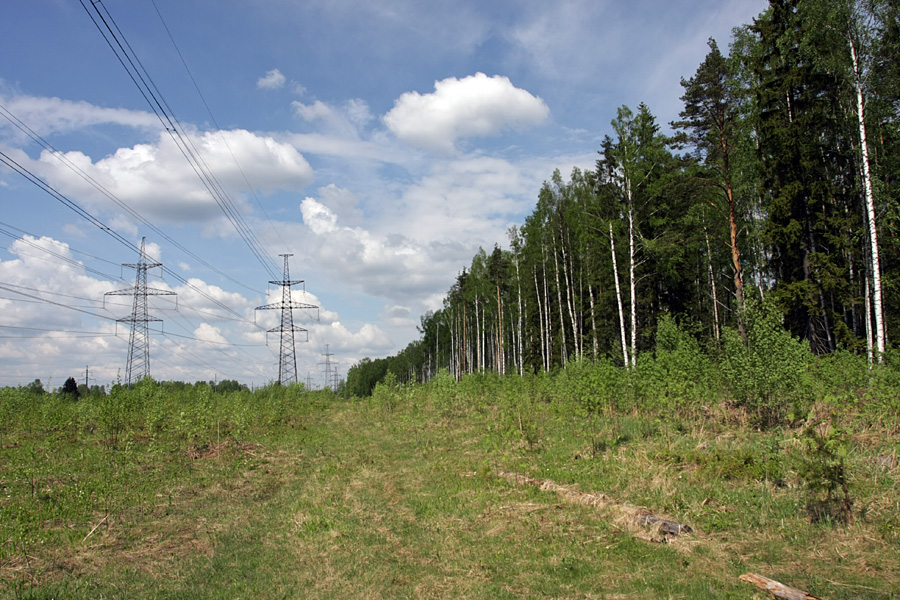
x: 767, y: 374
x: 823, y: 471
x: 387, y: 392
x: 518, y: 411
x: 364, y: 375
x: 70, y: 388
x: 679, y: 375
x: 36, y: 388
x: 596, y: 385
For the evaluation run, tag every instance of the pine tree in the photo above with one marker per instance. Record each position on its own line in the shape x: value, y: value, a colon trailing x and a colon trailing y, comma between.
x: 711, y: 109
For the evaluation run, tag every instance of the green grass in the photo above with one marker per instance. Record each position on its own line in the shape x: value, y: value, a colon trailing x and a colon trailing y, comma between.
x: 315, y: 497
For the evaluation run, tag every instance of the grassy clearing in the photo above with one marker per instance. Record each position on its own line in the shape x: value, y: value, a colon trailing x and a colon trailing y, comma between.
x: 398, y: 497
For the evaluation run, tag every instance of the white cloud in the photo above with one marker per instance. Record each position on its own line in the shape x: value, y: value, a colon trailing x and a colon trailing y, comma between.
x: 311, y: 112
x: 317, y: 217
x: 342, y: 202
x: 43, y: 337
x: 272, y: 80
x: 157, y: 182
x: 46, y: 116
x: 209, y: 333
x: 358, y: 111
x: 387, y: 265
x: 477, y: 105
x: 330, y: 145
x: 346, y: 121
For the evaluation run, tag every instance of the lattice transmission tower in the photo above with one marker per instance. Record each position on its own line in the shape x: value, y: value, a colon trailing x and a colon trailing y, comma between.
x: 287, y: 356
x: 331, y: 374
x: 138, y: 366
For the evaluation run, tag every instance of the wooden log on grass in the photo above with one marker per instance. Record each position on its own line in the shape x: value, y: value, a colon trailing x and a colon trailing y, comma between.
x: 776, y: 589
x: 637, y: 516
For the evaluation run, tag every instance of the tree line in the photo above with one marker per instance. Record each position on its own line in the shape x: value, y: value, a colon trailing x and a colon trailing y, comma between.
x: 777, y: 185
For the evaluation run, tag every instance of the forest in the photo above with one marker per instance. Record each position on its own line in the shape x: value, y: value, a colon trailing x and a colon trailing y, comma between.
x: 774, y: 196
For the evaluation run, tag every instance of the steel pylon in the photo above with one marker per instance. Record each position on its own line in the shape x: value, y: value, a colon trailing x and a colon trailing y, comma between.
x: 287, y: 357
x: 138, y: 366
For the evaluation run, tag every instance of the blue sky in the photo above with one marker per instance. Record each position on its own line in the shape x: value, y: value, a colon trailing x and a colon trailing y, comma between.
x: 380, y: 143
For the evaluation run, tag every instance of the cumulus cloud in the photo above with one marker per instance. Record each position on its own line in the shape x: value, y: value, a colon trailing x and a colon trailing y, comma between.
x: 342, y: 202
x: 42, y: 335
x: 157, y: 182
x: 272, y: 80
x: 477, y: 105
x: 210, y: 334
x: 386, y: 265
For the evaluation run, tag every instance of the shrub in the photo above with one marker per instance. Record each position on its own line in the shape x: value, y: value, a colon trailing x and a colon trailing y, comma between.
x: 387, y: 392
x: 596, y: 385
x: 680, y: 365
x: 766, y: 371
x: 824, y: 473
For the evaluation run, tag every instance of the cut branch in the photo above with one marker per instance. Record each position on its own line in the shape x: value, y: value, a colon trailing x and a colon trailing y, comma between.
x: 776, y: 589
x: 633, y: 515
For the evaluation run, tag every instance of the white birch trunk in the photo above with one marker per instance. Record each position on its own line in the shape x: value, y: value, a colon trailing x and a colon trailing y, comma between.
x: 712, y: 283
x: 537, y: 291
x: 631, y: 277
x: 562, y: 316
x: 612, y: 246
x: 870, y: 209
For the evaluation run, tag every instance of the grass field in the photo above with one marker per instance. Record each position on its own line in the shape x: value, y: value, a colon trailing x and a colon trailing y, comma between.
x: 293, y: 495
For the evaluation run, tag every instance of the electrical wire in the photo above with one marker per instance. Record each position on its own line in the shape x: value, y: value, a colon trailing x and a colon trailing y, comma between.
x: 69, y: 306
x: 37, y: 138
x: 129, y: 60
x: 62, y: 257
x: 212, y: 117
x: 103, y: 227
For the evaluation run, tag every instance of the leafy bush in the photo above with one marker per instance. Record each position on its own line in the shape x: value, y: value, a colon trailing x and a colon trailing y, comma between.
x: 681, y: 368
x: 766, y: 372
x: 518, y: 413
x: 387, y: 392
x: 596, y: 385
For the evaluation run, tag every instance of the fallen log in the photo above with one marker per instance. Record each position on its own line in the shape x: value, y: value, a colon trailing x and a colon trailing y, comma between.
x: 632, y: 514
x: 776, y: 589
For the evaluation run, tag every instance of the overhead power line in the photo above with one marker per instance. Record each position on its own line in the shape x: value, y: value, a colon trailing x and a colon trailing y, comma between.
x: 4, y: 158
x: 24, y: 128
x: 129, y: 60
x: 212, y: 117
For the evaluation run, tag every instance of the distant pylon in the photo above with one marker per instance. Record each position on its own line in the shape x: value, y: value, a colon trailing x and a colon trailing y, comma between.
x: 328, y: 374
x: 287, y: 360
x: 138, y: 366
